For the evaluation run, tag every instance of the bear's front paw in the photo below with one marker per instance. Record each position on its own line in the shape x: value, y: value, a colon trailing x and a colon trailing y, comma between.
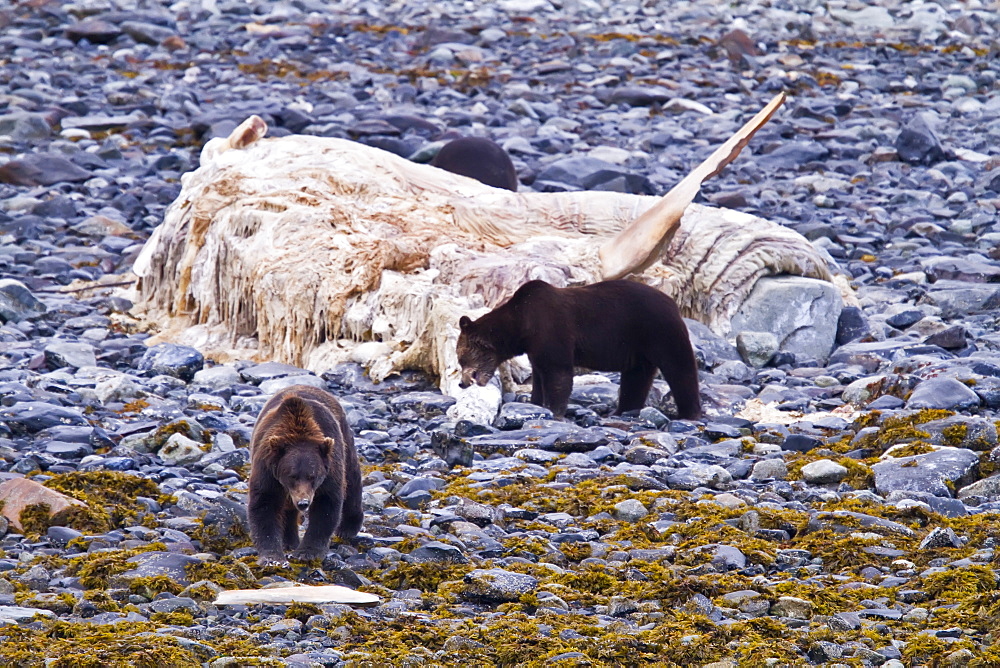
x: 309, y: 553
x: 277, y: 560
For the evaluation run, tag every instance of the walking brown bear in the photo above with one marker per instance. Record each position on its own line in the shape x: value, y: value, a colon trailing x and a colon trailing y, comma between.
x: 302, y: 460
x: 608, y: 326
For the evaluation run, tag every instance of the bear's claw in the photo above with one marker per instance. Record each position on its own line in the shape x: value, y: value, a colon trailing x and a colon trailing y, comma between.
x: 279, y: 562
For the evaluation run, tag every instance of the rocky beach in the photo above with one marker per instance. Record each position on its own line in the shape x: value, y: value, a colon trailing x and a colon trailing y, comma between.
x: 830, y: 509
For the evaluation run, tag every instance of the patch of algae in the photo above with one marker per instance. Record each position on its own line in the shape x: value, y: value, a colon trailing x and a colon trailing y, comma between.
x: 58, y: 644
x: 65, y: 645
x: 110, y: 497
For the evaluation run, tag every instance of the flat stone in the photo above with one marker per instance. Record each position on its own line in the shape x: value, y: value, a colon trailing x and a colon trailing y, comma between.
x: 936, y: 472
x: 944, y: 393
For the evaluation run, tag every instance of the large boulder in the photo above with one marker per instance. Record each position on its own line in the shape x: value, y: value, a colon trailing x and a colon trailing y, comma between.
x: 801, y: 312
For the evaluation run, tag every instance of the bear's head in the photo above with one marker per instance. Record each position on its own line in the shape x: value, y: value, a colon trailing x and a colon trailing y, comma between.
x: 477, y: 356
x: 302, y: 468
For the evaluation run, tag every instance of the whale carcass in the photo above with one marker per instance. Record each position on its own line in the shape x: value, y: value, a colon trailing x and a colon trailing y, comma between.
x: 313, y: 251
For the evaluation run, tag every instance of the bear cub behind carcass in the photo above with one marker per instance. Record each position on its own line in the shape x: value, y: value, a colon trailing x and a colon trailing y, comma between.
x: 302, y: 460
x: 608, y: 326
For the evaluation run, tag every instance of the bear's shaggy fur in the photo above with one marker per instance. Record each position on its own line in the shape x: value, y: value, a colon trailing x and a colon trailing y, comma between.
x: 608, y: 326
x: 302, y: 460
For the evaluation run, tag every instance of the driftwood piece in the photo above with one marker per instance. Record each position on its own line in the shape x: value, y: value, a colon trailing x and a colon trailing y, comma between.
x: 297, y: 594
x: 313, y: 251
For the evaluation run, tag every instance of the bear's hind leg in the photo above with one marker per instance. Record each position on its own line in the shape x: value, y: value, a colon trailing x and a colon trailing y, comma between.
x: 634, y: 387
x: 324, y: 515
x: 682, y: 377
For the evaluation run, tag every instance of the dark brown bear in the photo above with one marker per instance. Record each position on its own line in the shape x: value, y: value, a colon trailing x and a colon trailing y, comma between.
x: 609, y: 326
x: 302, y: 459
x: 478, y: 158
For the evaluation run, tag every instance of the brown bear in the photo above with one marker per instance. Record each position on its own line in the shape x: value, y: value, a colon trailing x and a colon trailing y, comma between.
x: 302, y: 460
x: 608, y: 326
x: 478, y: 158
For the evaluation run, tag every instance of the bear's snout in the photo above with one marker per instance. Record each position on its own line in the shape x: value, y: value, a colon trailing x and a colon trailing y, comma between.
x: 302, y: 504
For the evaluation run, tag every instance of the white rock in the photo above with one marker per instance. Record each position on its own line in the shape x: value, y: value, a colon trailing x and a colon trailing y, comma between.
x: 180, y: 450
x: 118, y: 388
x: 823, y: 471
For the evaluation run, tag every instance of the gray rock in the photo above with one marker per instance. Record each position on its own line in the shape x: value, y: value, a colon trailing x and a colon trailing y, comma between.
x: 277, y: 384
x: 497, y: 585
x: 425, y: 403
x: 630, y: 510
x: 216, y: 377
x: 587, y: 173
x: 957, y: 299
x: 918, y: 143
x: 29, y: 417
x: 41, y: 169
x: 172, y: 360
x: 960, y: 431
x: 790, y: 606
x: 727, y: 557
x: 936, y: 472
x: 438, y: 551
x: 65, y: 354
x: 150, y: 564
x: 118, y: 388
x: 767, y: 469
x: 988, y: 487
x: 25, y: 126
x: 268, y: 370
x: 823, y: 471
x: 802, y: 314
x: 513, y: 415
x: 17, y: 302
x: 21, y: 615
x: 790, y: 155
x: 756, y: 348
x: 940, y: 537
x: 146, y: 33
x: 943, y: 392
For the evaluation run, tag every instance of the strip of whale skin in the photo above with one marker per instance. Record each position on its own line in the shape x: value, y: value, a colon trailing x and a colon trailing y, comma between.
x: 640, y: 244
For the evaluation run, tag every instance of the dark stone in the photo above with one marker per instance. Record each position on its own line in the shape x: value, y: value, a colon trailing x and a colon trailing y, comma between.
x: 29, y: 417
x: 917, y: 142
x: 41, y: 169
x: 852, y: 324
x: 594, y: 174
x: 904, y: 319
x: 791, y: 155
x: 801, y: 443
x: 94, y: 31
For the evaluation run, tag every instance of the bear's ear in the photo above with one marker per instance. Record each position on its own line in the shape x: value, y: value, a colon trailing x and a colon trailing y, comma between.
x: 328, y: 446
x: 464, y: 322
